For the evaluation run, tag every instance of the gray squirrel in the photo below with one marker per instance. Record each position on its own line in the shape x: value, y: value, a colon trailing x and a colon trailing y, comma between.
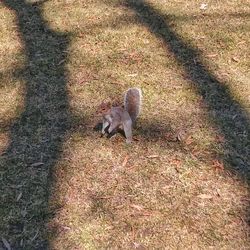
x: 119, y: 116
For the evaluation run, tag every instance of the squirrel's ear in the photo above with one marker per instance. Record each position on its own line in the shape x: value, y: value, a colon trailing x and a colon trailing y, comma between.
x: 116, y: 103
x: 108, y: 103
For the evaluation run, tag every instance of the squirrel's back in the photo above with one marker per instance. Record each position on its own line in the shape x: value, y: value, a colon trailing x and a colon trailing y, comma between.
x: 132, y: 102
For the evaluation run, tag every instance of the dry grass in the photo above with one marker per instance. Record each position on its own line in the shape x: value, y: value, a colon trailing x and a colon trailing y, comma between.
x: 183, y: 183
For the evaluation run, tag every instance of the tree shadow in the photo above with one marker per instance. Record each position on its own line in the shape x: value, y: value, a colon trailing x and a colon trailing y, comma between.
x: 226, y: 113
x: 36, y: 137
x: 229, y: 116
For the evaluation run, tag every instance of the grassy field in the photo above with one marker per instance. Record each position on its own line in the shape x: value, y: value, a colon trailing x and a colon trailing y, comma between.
x: 184, y: 181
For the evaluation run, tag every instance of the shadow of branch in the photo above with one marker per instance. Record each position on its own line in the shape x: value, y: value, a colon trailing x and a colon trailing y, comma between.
x: 36, y: 136
x: 225, y: 112
x: 228, y: 115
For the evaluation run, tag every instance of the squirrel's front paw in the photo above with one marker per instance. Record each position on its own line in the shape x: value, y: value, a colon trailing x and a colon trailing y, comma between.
x: 129, y: 141
x: 103, y: 133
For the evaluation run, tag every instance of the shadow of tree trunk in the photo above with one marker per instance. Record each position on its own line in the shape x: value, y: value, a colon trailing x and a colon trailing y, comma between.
x: 37, y: 135
x: 228, y: 115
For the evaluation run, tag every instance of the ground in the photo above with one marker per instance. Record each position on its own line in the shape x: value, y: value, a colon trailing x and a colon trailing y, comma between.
x: 184, y: 181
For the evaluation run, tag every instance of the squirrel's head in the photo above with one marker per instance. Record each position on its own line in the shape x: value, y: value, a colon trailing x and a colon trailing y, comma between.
x: 103, y: 108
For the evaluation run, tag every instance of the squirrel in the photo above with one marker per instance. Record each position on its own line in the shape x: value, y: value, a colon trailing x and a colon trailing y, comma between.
x: 122, y: 116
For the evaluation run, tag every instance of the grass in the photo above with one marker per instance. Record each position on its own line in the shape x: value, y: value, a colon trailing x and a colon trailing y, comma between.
x: 183, y: 183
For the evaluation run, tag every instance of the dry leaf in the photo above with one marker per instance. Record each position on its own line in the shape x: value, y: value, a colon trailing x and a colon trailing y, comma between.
x: 220, y: 138
x: 37, y: 164
x: 205, y: 196
x: 203, y: 6
x: 235, y: 59
x: 146, y: 213
x: 152, y: 156
x: 24, y: 213
x: 66, y: 228
x: 196, y: 152
x: 16, y: 186
x: 218, y: 192
x: 137, y: 207
x: 105, y: 197
x: 19, y: 196
x: 125, y: 161
x: 35, y: 236
x: 169, y: 136
x: 241, y: 42
x: 212, y: 55
x: 6, y: 243
x: 181, y: 135
x: 61, y: 62
x: 139, y: 246
x: 177, y: 164
x: 189, y: 140
x: 176, y: 161
x: 83, y: 81
x: 218, y: 165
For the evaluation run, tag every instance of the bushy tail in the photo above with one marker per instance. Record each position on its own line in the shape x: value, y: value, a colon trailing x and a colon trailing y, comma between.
x: 132, y: 102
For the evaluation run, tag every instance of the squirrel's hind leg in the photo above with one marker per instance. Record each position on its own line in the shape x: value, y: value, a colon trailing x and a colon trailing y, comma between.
x: 105, y: 124
x: 113, y: 126
x: 127, y: 126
